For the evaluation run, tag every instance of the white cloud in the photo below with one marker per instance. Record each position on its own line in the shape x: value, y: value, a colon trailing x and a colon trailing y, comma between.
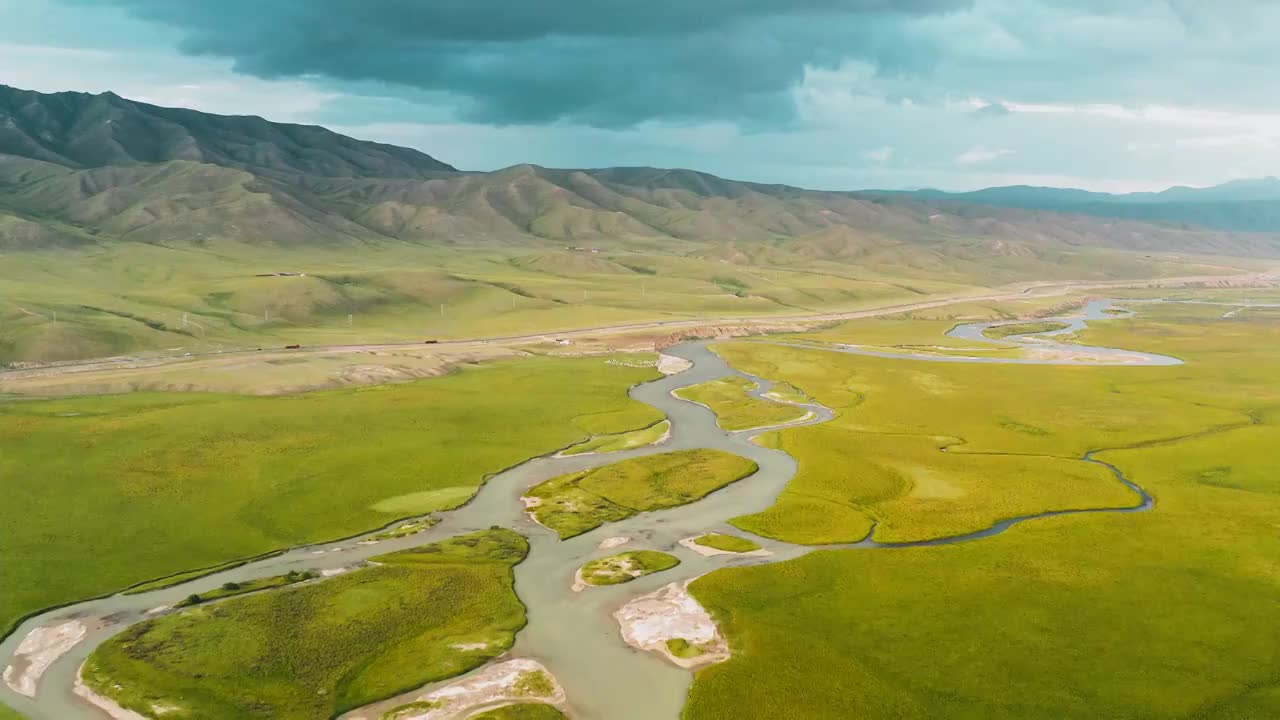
x: 980, y: 154
x: 880, y: 155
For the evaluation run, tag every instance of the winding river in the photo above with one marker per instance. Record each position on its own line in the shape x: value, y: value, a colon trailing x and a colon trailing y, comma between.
x: 1047, y: 350
x: 573, y: 634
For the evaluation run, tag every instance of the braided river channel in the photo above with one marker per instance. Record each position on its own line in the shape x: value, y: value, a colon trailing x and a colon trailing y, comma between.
x: 574, y: 634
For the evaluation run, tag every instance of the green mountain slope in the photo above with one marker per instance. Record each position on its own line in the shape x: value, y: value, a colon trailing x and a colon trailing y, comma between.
x: 86, y: 131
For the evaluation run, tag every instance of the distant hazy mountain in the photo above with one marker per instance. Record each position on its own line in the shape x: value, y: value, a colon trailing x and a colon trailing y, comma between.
x: 1244, y: 205
x: 79, y: 130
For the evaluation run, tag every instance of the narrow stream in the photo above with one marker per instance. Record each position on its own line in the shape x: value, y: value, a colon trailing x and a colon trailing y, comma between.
x: 573, y: 634
x: 1055, y: 353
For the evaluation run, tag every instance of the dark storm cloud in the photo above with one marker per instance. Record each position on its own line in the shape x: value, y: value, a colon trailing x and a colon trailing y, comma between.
x: 600, y: 62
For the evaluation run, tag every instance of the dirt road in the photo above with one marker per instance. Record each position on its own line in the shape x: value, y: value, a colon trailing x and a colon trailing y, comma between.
x: 1020, y: 291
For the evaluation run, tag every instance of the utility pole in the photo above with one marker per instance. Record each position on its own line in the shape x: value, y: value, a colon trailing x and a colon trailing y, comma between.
x: 441, y: 311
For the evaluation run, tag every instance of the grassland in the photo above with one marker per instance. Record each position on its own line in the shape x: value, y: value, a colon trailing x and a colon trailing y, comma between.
x: 1013, y: 439
x: 622, y: 441
x: 1000, y: 332
x: 786, y: 393
x: 138, y: 298
x: 727, y: 543
x: 1165, y: 614
x: 681, y: 648
x: 181, y: 577
x: 735, y: 409
x: 317, y: 650
x: 627, y: 566
x: 521, y: 711
x: 7, y: 713
x: 409, y: 710
x: 233, y: 589
x: 413, y: 527
x: 118, y: 489
x: 896, y: 334
x: 579, y: 502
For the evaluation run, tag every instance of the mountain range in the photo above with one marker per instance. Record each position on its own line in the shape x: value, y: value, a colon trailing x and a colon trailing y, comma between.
x: 127, y: 221
x: 1241, y: 205
x: 87, y: 167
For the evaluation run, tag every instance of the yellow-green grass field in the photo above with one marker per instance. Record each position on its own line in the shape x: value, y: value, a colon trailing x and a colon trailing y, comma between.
x: 315, y: 651
x: 786, y: 393
x: 409, y: 710
x: 1001, y: 425
x: 896, y: 334
x: 521, y: 711
x: 727, y: 543
x: 622, y: 441
x: 735, y: 409
x: 922, y: 488
x: 232, y: 589
x: 7, y: 713
x: 627, y: 566
x: 999, y: 332
x: 129, y: 298
x: 1170, y: 613
x: 579, y: 502
x: 115, y: 490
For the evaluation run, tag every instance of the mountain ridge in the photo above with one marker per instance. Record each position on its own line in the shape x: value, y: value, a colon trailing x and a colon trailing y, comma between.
x: 82, y: 130
x: 1250, y: 205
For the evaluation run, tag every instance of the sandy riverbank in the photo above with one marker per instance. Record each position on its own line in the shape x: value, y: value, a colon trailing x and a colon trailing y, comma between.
x: 504, y: 683
x: 106, y: 705
x: 38, y: 650
x: 671, y: 613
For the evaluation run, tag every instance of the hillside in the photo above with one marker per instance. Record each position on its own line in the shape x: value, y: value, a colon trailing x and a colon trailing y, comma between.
x: 80, y: 130
x: 127, y: 227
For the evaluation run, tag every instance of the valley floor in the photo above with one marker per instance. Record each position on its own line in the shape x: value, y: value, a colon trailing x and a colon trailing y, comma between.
x: 1168, y: 613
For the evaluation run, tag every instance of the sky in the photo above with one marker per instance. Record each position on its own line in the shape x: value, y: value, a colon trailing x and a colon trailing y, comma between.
x: 1110, y: 95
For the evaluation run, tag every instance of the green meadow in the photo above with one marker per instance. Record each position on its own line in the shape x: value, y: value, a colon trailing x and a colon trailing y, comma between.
x: 232, y: 589
x: 786, y: 393
x: 521, y: 711
x: 1000, y: 332
x: 622, y: 441
x: 727, y: 543
x: 116, y: 490
x: 1170, y: 613
x: 131, y: 298
x: 409, y: 710
x: 900, y: 334
x: 417, y: 616
x: 735, y: 409
x: 579, y: 502
x: 627, y: 566
x: 925, y: 450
